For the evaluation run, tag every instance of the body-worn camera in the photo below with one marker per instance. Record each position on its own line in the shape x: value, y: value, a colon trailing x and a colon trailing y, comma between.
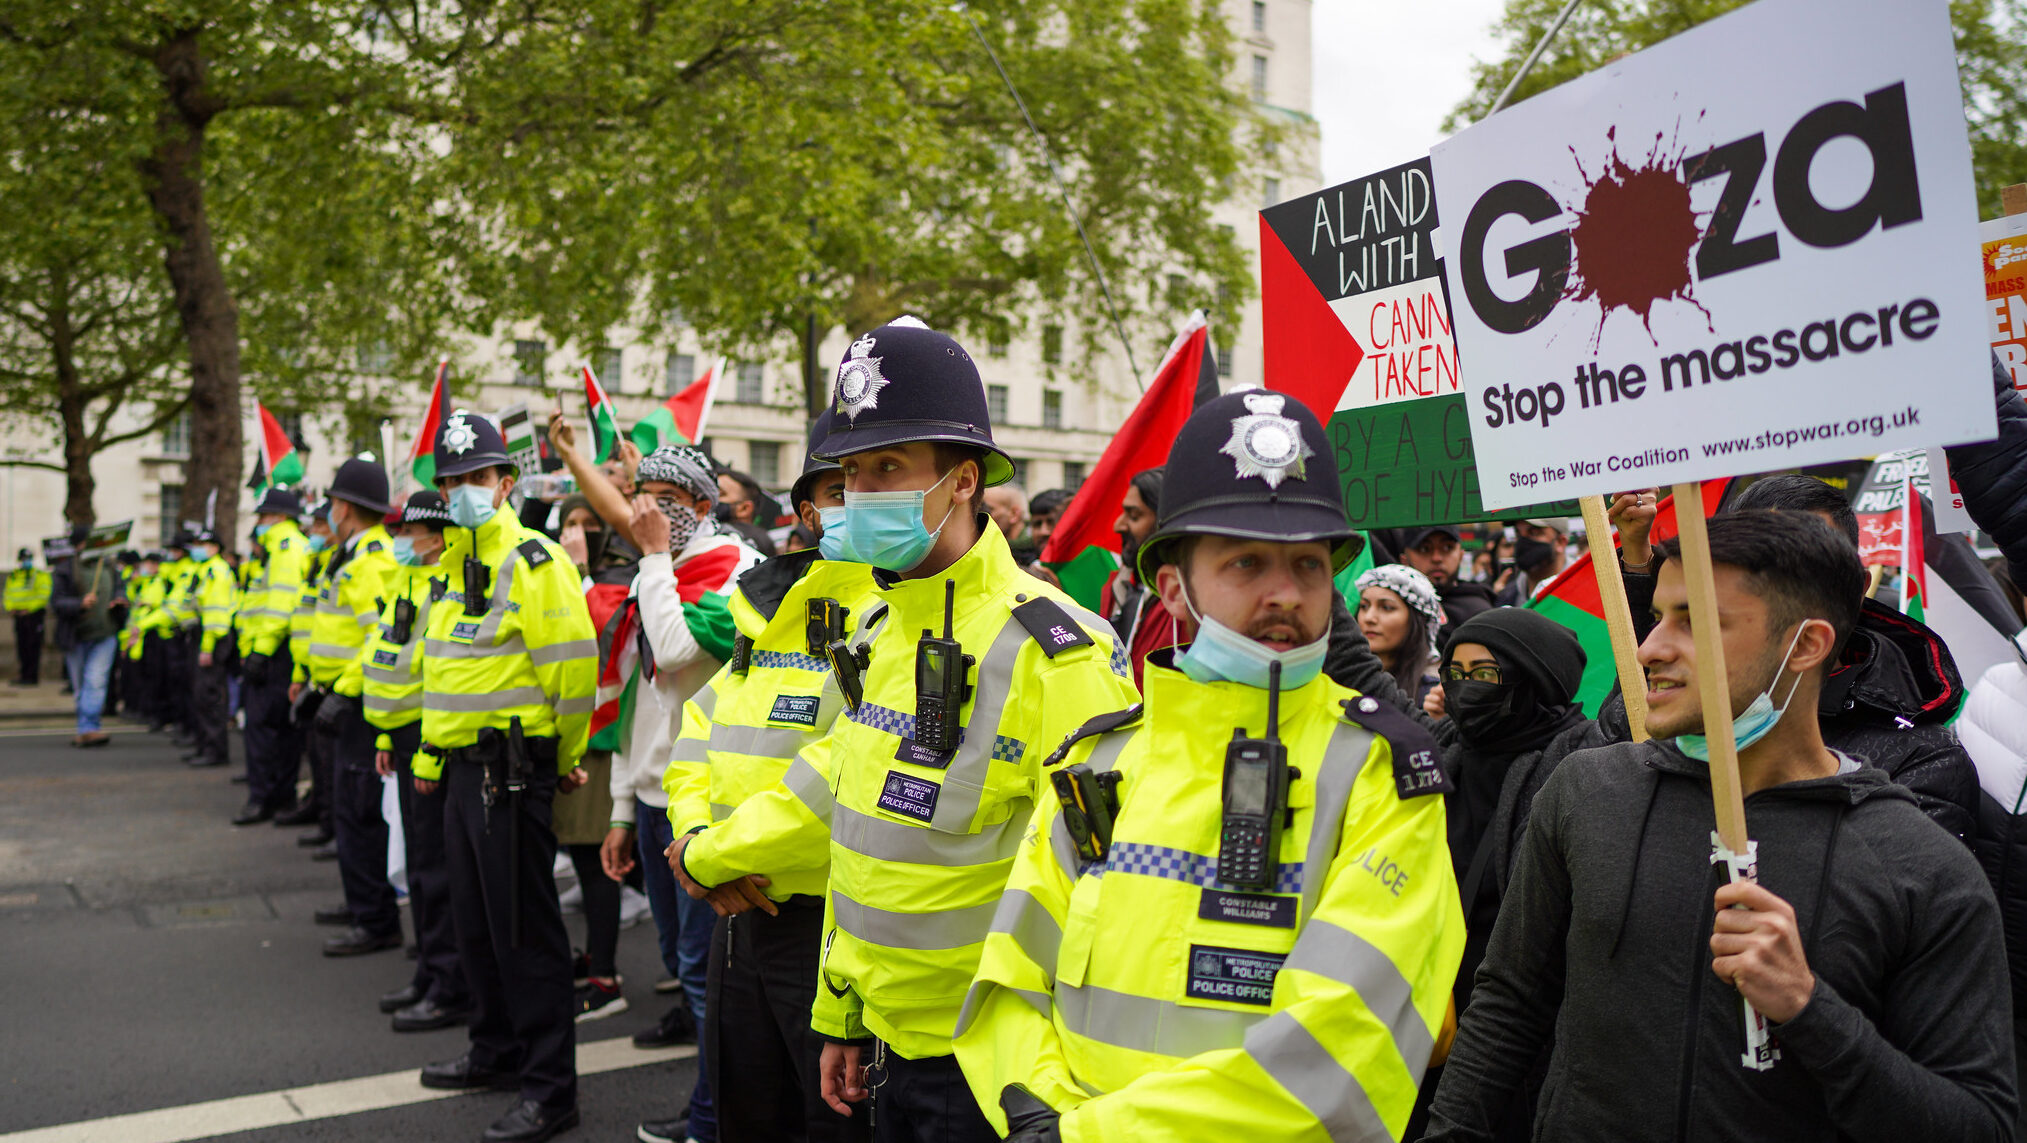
x: 1090, y: 803
x: 404, y: 621
x: 825, y: 623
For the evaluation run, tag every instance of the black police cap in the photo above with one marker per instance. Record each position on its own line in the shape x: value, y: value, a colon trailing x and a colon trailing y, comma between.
x: 362, y: 482
x: 1252, y: 464
x: 813, y: 465
x: 467, y: 442
x: 279, y: 502
x: 905, y: 382
x: 426, y: 507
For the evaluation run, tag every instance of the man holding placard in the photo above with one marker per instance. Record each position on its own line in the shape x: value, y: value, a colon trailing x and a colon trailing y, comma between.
x: 1870, y: 942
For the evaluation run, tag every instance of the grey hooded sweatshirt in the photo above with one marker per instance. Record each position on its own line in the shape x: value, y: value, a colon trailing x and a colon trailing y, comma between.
x: 1602, y: 948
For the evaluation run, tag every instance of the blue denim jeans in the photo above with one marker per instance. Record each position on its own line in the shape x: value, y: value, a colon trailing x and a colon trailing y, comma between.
x: 685, y: 926
x: 89, y: 666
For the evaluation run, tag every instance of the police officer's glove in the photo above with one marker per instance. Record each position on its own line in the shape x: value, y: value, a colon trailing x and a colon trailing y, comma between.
x: 1028, y: 1119
x: 332, y: 712
x: 254, y: 669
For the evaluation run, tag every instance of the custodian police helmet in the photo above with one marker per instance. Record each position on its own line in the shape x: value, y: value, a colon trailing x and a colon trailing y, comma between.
x: 362, y: 482
x: 906, y: 382
x: 279, y: 501
x: 466, y: 443
x: 813, y: 465
x: 1252, y: 464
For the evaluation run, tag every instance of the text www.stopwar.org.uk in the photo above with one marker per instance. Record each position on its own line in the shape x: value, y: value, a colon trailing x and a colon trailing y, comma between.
x: 1872, y: 426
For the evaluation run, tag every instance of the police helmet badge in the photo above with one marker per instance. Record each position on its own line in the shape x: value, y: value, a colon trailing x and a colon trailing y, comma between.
x: 859, y: 380
x: 458, y: 436
x: 1266, y: 444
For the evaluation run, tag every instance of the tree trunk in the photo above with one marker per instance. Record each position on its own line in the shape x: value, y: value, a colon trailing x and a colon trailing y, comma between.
x: 174, y: 171
x: 79, y: 486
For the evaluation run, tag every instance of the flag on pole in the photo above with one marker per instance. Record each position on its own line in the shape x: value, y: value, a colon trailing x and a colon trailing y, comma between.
x: 1083, y: 550
x: 1913, y: 558
x: 279, y: 462
x: 682, y: 418
x: 604, y: 418
x: 422, y: 454
x: 1572, y: 599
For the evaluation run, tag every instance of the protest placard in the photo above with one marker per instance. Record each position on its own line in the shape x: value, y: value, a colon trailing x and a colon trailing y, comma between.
x: 1742, y: 249
x: 1356, y: 322
x: 2003, y: 245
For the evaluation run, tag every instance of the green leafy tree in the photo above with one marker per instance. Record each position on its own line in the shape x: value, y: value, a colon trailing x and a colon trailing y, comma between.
x: 1991, y: 40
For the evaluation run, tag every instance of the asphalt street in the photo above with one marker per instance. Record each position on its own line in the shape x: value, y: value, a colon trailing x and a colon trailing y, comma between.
x: 153, y: 956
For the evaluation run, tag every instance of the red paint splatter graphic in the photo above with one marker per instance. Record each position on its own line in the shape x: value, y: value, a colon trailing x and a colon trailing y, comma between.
x: 1634, y: 235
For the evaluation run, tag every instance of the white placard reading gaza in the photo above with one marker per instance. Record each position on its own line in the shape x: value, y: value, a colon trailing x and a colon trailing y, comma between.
x: 1746, y: 248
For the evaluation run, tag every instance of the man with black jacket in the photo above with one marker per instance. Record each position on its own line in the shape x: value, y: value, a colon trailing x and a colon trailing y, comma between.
x: 1869, y: 942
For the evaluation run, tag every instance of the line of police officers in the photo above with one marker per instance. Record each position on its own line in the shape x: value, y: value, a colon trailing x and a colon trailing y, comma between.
x: 970, y: 885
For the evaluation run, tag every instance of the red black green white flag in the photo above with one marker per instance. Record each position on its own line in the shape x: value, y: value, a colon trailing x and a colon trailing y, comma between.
x: 683, y: 418
x: 604, y: 418
x: 422, y: 454
x: 1889, y: 507
x: 280, y: 462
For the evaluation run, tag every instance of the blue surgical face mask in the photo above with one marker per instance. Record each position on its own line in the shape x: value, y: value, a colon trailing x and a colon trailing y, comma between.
x: 831, y: 545
x: 404, y: 552
x: 471, y: 505
x: 886, y: 529
x: 1760, y: 715
x: 1221, y: 654
x: 317, y: 540
x: 260, y: 530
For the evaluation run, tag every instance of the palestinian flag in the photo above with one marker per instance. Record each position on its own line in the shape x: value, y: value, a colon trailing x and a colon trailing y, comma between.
x: 1913, y: 558
x: 1571, y: 599
x: 280, y: 461
x: 1890, y: 530
x: 704, y: 583
x: 682, y: 418
x: 1347, y: 580
x: 604, y: 418
x: 1083, y: 551
x: 422, y: 454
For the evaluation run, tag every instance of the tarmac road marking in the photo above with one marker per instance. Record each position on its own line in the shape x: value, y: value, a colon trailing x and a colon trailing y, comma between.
x: 305, y: 1104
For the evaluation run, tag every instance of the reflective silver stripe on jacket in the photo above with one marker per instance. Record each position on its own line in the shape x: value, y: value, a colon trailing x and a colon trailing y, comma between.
x: 1338, y: 954
x: 758, y: 741
x: 1299, y: 1062
x: 964, y: 779
x: 923, y: 932
x: 563, y: 652
x: 381, y: 704
x: 882, y: 840
x: 1337, y: 772
x: 810, y: 789
x: 1144, y: 1024
x: 333, y: 651
x: 458, y: 649
x: 489, y: 700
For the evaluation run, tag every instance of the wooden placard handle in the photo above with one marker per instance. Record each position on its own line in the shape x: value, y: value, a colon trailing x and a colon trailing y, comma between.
x: 1711, y: 679
x: 1618, y: 615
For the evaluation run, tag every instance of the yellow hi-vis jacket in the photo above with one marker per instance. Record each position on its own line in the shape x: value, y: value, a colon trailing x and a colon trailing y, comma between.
x: 305, y: 613
x: 387, y: 672
x: 28, y: 590
x: 1145, y: 999
x: 274, y: 590
x: 743, y: 728
x: 214, y: 595
x: 527, y: 649
x: 178, y: 605
x: 347, y: 604
x: 920, y: 845
x: 144, y: 596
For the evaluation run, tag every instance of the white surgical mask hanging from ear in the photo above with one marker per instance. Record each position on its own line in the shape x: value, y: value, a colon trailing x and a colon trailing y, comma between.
x: 1220, y: 653
x: 1760, y: 716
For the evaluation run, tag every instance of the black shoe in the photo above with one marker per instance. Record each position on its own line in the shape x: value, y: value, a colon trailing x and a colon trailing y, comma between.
x: 325, y: 852
x: 664, y: 1130
x: 596, y: 1001
x: 203, y: 762
x: 426, y: 1015
x: 400, y: 998
x: 677, y: 1027
x: 253, y: 813
x: 358, y: 942
x: 239, y: 779
x: 304, y: 815
x: 529, y: 1122
x: 462, y: 1075
x: 342, y: 915
x: 321, y: 837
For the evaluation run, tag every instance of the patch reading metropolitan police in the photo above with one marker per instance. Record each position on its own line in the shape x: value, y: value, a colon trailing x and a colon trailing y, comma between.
x: 1238, y: 976
x: 1271, y: 910
x: 909, y: 797
x: 466, y: 630
x: 798, y: 709
x: 385, y: 657
x: 1051, y: 626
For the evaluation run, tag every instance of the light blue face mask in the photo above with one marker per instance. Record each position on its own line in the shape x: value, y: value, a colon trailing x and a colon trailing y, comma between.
x: 1221, y: 654
x: 831, y: 545
x: 1759, y: 718
x: 886, y: 529
x: 471, y: 505
x: 404, y: 552
x: 260, y: 530
x: 317, y: 540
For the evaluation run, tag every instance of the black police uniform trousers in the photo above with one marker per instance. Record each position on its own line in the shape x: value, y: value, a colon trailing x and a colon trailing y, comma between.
x: 155, y: 677
x: 182, y: 663
x: 317, y: 750
x: 28, y: 646
x: 438, y: 974
x: 524, y: 1007
x: 923, y: 1101
x: 210, y: 699
x: 762, y: 980
x: 273, y: 745
x: 360, y: 828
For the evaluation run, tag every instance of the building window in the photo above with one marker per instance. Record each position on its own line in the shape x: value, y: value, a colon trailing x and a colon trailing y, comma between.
x: 1260, y: 78
x: 1020, y: 476
x: 1224, y: 361
x: 752, y: 387
x: 176, y: 436
x: 763, y: 462
x: 682, y: 371
x: 1270, y: 191
x: 995, y: 404
x: 1073, y: 475
x: 528, y: 360
x: 612, y: 367
x: 172, y: 511
x: 995, y: 344
x: 376, y: 358
x: 1260, y: 15
x: 1052, y: 344
x: 1052, y: 408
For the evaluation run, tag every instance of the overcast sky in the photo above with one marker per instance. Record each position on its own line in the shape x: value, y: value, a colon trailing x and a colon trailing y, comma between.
x: 1388, y: 72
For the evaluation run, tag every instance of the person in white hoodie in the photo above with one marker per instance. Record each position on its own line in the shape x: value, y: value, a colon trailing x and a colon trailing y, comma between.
x: 678, y: 635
